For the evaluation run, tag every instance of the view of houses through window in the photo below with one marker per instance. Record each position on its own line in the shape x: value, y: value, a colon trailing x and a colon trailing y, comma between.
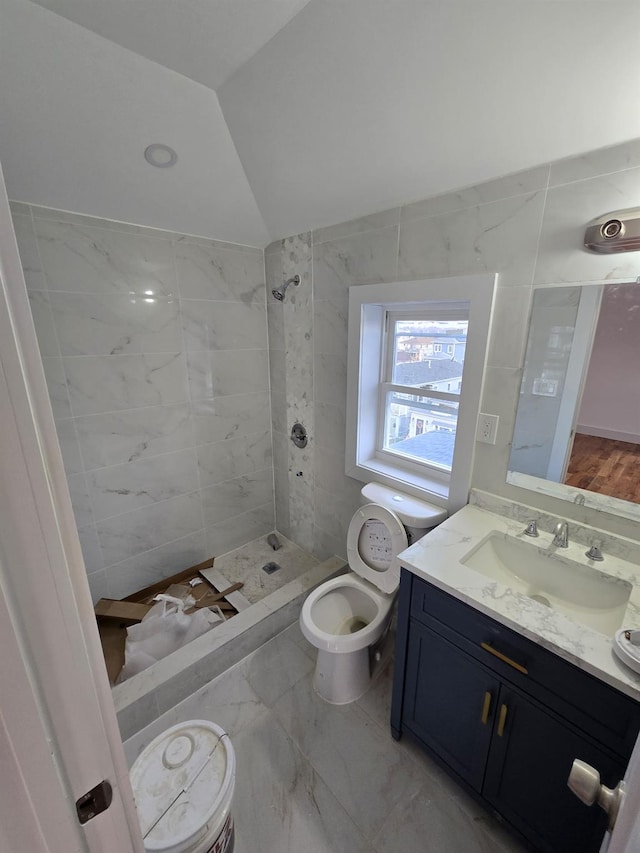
x: 421, y: 388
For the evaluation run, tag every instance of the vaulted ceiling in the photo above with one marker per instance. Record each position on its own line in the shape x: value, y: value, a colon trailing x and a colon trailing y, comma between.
x: 292, y: 114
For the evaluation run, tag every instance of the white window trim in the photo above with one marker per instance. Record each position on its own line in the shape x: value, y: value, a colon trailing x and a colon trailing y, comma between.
x: 367, y: 307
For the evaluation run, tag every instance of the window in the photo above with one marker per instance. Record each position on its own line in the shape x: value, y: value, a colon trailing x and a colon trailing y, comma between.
x: 413, y: 394
x: 414, y: 426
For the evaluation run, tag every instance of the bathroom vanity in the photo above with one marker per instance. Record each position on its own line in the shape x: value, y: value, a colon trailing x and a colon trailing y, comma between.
x: 506, y: 691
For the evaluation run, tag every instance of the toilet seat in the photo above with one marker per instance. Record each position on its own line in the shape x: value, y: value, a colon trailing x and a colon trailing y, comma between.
x: 375, y: 538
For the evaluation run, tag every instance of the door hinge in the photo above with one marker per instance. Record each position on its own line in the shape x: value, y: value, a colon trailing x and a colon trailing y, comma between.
x: 94, y: 802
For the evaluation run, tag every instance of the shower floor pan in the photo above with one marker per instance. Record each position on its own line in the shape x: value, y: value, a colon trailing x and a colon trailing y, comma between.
x: 275, y: 603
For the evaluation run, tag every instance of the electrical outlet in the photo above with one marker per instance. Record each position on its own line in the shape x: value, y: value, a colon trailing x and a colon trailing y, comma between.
x: 487, y: 428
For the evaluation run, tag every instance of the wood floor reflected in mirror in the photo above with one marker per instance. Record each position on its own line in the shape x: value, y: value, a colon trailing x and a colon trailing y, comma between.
x: 606, y: 466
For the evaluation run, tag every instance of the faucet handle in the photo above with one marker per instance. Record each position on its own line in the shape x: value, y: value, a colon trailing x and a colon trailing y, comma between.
x: 531, y: 529
x: 594, y: 553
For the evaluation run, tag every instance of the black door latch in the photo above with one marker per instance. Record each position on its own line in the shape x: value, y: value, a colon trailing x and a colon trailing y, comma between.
x: 96, y: 800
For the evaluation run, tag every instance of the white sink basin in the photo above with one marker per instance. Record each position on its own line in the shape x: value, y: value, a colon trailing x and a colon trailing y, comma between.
x: 580, y: 592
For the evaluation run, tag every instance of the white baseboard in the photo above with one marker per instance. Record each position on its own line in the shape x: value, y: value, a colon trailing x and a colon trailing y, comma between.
x: 614, y: 434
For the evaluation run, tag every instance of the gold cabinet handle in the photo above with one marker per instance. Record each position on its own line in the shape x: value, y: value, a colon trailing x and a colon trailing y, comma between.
x: 504, y: 658
x: 486, y: 706
x: 502, y: 719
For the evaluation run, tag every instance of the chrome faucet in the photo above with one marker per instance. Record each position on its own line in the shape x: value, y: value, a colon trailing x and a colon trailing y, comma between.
x: 594, y: 553
x: 561, y: 535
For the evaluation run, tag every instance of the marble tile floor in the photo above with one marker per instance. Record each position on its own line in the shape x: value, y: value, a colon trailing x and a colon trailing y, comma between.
x: 318, y: 778
x: 245, y: 564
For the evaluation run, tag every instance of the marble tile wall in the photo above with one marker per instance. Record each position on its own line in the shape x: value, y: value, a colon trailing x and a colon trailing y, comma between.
x: 527, y: 227
x: 154, y: 346
x: 291, y: 353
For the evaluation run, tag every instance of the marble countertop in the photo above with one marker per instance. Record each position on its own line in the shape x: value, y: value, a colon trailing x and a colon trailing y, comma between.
x: 437, y: 558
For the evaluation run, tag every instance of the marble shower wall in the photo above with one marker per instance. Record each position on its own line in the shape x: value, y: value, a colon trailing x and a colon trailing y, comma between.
x: 155, y: 351
x: 291, y: 362
x: 528, y: 227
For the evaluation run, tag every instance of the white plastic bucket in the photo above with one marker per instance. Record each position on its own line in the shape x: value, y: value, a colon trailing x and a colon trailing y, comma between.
x: 183, y: 784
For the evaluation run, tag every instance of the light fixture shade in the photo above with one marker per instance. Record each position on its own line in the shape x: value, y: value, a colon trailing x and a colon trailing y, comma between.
x: 160, y: 155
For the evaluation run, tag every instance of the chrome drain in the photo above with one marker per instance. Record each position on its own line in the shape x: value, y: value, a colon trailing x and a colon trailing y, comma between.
x: 270, y: 568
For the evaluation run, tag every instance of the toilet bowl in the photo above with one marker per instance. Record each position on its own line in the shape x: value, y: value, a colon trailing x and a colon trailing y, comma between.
x: 348, y: 617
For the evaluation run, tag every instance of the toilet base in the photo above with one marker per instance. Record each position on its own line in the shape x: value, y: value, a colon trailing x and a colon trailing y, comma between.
x: 342, y: 678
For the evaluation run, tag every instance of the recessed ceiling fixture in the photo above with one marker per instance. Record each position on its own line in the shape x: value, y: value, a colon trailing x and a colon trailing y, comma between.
x: 160, y: 155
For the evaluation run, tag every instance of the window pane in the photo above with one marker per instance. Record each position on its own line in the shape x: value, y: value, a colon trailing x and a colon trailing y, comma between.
x: 428, y: 354
x: 420, y: 428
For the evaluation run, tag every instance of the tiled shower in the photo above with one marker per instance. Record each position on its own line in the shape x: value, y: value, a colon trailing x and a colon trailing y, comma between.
x: 155, y: 352
x: 175, y: 377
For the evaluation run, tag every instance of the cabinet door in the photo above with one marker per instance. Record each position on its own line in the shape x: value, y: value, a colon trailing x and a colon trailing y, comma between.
x: 526, y: 781
x: 449, y: 702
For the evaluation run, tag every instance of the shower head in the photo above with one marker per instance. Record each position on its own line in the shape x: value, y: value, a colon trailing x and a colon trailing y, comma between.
x: 279, y: 292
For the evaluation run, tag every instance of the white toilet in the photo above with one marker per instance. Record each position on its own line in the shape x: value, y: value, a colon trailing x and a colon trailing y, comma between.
x: 346, y: 617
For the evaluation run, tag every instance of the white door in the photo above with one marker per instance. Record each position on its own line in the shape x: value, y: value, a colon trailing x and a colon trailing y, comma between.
x: 58, y: 730
x: 625, y: 837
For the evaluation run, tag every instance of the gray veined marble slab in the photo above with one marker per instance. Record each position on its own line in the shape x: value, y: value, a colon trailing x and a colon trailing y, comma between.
x: 224, y: 460
x: 85, y: 259
x: 329, y: 426
x: 43, y: 322
x: 219, y: 274
x: 561, y: 256
x: 226, y: 535
x: 116, y: 437
x: 511, y: 317
x: 372, y: 222
x: 279, y: 411
x: 233, y: 497
x: 217, y: 374
x: 57, y: 387
x: 156, y: 564
x: 230, y: 417
x: 124, y: 536
x: 275, y: 322
x: 615, y: 159
x: 80, y: 499
x: 364, y: 258
x: 69, y: 446
x: 98, y: 585
x: 90, y: 549
x: 245, y: 564
x: 278, y: 371
x: 28, y: 250
x: 132, y: 485
x: 223, y: 325
x: 208, y: 243
x: 330, y: 321
x: 105, y: 383
x: 288, y: 805
x: 115, y: 323
x: 361, y: 764
x: 498, y: 237
x: 519, y: 183
x: 330, y: 376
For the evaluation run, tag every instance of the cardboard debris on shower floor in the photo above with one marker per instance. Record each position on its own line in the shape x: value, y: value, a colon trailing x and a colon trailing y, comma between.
x: 113, y: 615
x: 218, y: 580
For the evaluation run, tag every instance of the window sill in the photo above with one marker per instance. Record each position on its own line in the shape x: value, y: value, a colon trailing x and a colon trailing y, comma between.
x: 418, y: 485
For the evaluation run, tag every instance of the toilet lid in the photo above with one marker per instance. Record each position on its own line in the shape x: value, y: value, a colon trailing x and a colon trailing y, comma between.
x: 376, y: 536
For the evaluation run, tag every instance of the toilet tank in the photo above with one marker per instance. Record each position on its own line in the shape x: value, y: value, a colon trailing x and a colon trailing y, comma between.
x: 418, y: 516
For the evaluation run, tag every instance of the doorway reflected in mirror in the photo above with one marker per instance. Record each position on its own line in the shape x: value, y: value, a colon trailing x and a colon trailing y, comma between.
x: 578, y: 417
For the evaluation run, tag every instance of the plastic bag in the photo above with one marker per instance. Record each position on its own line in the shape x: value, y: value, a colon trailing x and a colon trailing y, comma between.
x: 165, y: 628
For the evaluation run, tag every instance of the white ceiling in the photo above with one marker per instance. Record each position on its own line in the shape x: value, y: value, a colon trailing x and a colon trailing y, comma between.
x: 206, y: 40
x: 359, y: 106
x: 328, y: 109
x: 77, y: 112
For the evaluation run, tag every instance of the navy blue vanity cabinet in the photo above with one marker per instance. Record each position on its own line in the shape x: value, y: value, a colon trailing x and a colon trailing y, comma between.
x: 507, y: 717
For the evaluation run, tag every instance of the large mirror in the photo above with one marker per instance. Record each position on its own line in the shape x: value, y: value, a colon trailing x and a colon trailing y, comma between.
x: 577, y: 429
